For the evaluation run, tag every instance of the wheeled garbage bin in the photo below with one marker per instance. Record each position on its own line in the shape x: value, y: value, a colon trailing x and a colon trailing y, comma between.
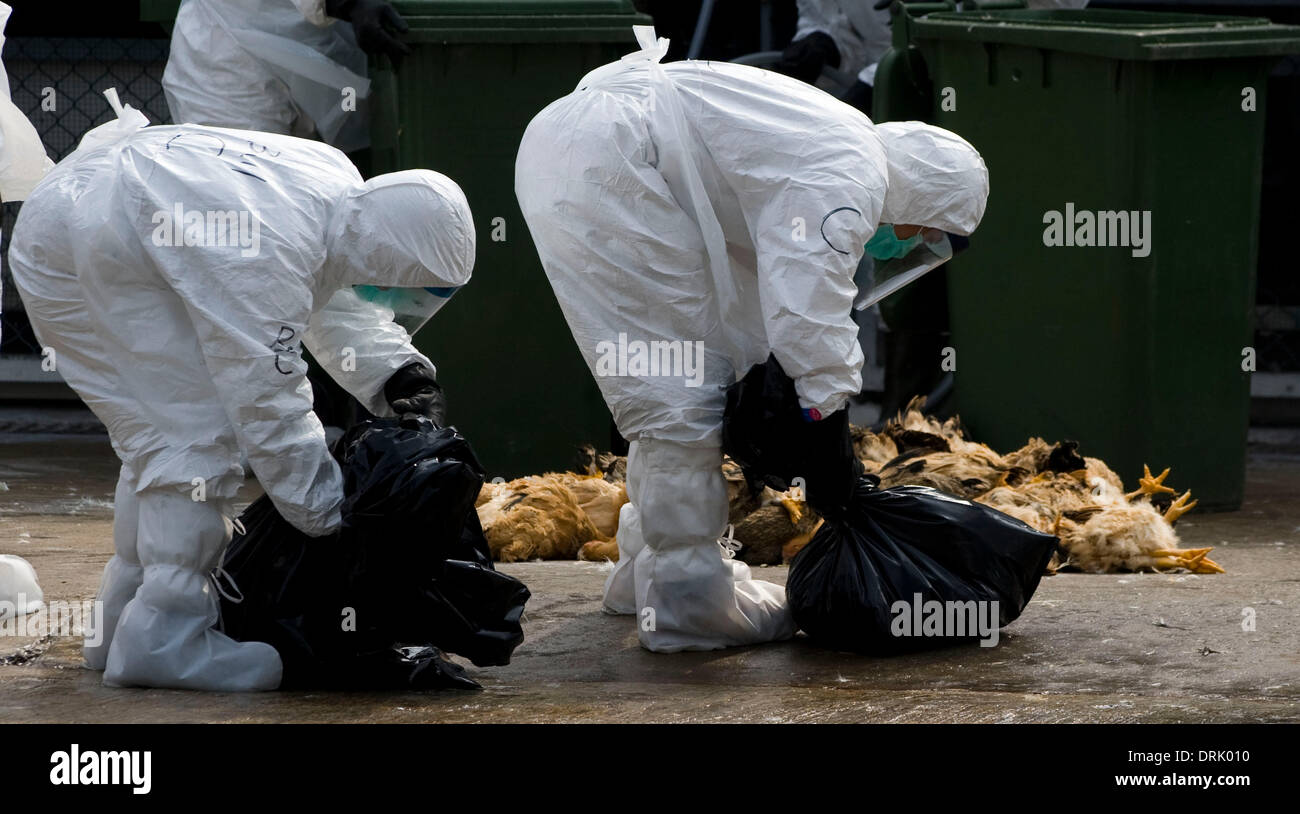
x: 1108, y: 294
x: 478, y: 72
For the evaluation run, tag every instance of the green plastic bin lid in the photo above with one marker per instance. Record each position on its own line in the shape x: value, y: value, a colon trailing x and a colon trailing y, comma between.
x: 493, y: 7
x: 517, y: 21
x: 492, y: 20
x: 1135, y: 35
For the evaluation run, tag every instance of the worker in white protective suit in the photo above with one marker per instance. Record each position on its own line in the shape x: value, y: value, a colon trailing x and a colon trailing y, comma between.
x: 726, y: 205
x: 296, y: 67
x: 848, y: 35
x: 176, y: 272
x: 279, y: 66
x: 851, y: 36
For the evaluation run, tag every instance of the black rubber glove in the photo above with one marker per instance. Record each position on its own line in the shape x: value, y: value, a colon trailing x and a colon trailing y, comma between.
x: 860, y: 96
x: 831, y: 468
x: 374, y: 22
x: 414, y: 390
x: 804, y: 59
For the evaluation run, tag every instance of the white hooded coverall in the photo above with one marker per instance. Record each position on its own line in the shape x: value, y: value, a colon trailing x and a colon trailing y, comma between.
x: 184, y: 338
x: 728, y: 205
x: 277, y: 66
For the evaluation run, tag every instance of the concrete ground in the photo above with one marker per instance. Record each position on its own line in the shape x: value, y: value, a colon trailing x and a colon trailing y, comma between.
x: 1089, y: 648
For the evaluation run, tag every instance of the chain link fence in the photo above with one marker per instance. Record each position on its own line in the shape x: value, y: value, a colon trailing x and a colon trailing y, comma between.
x: 59, y: 84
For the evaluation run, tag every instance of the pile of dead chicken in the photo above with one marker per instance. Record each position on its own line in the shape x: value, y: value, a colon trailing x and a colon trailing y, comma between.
x: 1050, y: 487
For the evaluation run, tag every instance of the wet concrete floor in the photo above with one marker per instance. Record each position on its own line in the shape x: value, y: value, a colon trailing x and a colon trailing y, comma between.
x: 1089, y: 648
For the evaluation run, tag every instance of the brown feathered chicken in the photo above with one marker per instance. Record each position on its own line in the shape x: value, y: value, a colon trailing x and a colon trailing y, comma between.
x: 611, y: 467
x: 1049, y: 487
x: 1119, y: 532
x: 931, y: 453
x: 537, y: 517
x: 601, y: 499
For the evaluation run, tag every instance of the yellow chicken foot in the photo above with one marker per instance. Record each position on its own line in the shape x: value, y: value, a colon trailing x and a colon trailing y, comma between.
x: 1179, y: 507
x: 1193, y: 559
x: 1148, y: 485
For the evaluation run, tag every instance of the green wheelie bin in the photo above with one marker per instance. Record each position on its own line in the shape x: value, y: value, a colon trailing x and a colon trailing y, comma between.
x: 1107, y: 296
x: 478, y: 72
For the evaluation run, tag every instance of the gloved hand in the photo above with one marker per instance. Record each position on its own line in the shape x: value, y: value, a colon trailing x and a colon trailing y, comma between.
x: 831, y: 467
x: 804, y: 59
x: 375, y: 22
x: 414, y: 390
x: 860, y: 96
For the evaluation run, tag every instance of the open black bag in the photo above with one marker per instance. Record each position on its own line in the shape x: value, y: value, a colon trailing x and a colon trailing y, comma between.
x: 409, y: 574
x: 887, y: 546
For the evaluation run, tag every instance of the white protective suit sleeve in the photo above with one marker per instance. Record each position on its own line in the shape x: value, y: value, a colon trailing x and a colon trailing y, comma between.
x: 23, y: 162
x: 313, y: 11
x: 811, y: 205
x: 360, y: 346
x: 249, y: 317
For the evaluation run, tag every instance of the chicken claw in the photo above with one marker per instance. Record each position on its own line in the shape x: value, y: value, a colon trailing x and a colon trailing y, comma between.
x: 1148, y: 485
x: 1179, y: 507
x: 1193, y: 559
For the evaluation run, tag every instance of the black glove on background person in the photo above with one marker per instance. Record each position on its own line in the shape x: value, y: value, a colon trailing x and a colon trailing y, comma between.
x: 374, y: 22
x: 414, y: 390
x: 831, y: 467
x: 804, y: 59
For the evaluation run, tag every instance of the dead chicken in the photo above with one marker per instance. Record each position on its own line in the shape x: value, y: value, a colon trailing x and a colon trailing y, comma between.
x: 1128, y: 532
x: 776, y: 530
x: 537, y: 517
x: 611, y: 467
x: 1049, y: 487
x: 964, y: 474
x: 936, y: 454
x: 1101, y: 529
x: 601, y: 499
x: 873, y: 450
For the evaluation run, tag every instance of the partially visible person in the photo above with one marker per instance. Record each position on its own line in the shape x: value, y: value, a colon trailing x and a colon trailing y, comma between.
x: 178, y: 272
x: 848, y: 35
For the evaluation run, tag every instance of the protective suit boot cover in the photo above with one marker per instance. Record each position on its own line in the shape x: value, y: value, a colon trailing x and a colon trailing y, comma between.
x: 166, y: 636
x: 620, y: 586
x: 689, y: 596
x: 122, y: 576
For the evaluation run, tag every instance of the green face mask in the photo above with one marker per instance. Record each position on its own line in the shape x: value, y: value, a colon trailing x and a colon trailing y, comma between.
x: 885, y: 245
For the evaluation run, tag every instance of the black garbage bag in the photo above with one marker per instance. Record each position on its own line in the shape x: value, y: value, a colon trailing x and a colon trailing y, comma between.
x: 885, y: 576
x: 887, y: 552
x: 408, y: 576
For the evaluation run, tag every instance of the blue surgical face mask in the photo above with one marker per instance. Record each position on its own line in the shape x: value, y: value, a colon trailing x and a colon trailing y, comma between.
x: 885, y: 245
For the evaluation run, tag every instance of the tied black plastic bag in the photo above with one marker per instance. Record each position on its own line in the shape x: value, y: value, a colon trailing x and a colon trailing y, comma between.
x: 884, y: 552
x: 897, y: 549
x: 408, y: 576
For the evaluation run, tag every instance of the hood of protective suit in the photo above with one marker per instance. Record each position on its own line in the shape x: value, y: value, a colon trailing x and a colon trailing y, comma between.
x: 936, y: 178
x: 409, y: 228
